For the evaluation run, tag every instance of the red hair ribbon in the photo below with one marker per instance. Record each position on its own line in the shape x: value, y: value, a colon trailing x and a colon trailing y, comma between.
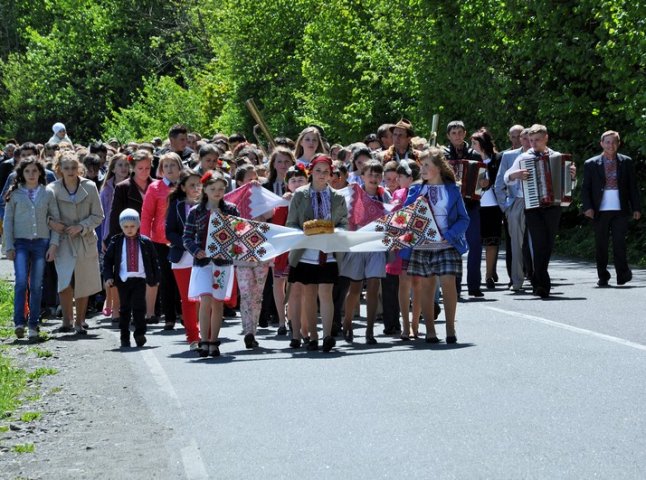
x: 206, y: 177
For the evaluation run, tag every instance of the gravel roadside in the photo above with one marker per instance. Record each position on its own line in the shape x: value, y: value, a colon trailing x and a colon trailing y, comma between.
x: 94, y: 420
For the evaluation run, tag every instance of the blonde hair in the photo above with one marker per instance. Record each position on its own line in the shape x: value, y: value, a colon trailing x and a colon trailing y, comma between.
x: 169, y: 156
x: 66, y: 156
x: 436, y: 156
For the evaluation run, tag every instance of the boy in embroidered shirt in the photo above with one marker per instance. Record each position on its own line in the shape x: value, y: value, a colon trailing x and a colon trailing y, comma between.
x: 130, y: 263
x: 365, y: 266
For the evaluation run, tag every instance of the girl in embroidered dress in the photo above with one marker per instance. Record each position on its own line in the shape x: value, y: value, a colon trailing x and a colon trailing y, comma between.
x: 211, y: 281
x: 26, y: 239
x: 440, y: 259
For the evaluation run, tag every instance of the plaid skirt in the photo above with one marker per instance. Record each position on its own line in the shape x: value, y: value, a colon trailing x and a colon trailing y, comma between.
x: 426, y: 263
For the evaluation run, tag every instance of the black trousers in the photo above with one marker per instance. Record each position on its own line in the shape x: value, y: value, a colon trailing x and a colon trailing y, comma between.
x: 132, y: 296
x: 168, y: 293
x: 390, y: 301
x: 542, y: 224
x: 615, y: 224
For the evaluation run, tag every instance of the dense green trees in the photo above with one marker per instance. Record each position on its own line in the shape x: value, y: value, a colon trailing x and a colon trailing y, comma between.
x: 130, y: 69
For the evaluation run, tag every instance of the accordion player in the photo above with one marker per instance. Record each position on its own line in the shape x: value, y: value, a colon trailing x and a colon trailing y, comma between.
x: 549, y: 182
x: 469, y: 175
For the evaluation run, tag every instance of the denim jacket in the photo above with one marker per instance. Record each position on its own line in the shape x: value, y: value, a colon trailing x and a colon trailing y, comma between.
x: 457, y: 217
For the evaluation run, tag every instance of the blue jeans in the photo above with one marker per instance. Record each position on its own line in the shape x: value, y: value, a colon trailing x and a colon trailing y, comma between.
x: 29, y: 264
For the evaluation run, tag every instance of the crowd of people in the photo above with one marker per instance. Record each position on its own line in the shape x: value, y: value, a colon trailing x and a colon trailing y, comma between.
x: 122, y: 229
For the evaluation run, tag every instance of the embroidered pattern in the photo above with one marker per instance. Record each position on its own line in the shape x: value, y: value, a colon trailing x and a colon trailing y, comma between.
x: 411, y: 226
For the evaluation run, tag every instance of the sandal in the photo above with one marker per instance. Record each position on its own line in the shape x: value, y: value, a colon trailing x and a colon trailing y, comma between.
x: 203, y: 349
x: 214, y: 350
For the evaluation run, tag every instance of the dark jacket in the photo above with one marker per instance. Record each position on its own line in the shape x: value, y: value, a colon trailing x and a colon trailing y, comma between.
x: 126, y: 195
x: 467, y: 153
x: 175, y: 225
x: 112, y: 259
x: 594, y: 182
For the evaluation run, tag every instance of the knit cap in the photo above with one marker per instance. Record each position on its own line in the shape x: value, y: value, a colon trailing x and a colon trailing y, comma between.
x: 129, y: 215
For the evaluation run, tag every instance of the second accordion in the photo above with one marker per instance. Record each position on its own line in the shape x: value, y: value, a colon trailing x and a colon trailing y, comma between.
x: 549, y: 182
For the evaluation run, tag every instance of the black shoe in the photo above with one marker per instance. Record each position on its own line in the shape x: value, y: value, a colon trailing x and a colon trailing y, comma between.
x: 313, y: 345
x: 65, y: 329
x: 370, y: 340
x: 495, y: 277
x: 203, y: 349
x: 451, y: 339
x: 436, y: 310
x: 392, y: 330
x: 140, y: 340
x: 169, y: 326
x: 295, y: 343
x: 348, y: 336
x: 328, y: 343
x: 432, y: 340
x: 623, y: 280
x: 125, y: 343
x: 282, y: 330
x: 250, y: 341
x: 214, y: 349
x: 336, y: 330
x: 476, y: 293
x: 542, y: 292
x: 491, y: 284
x: 229, y: 312
x: 80, y: 330
x: 263, y: 322
x: 152, y: 320
x: 405, y: 338
x: 602, y: 283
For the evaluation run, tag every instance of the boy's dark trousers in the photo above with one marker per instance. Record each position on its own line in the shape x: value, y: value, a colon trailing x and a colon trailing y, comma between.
x: 132, y: 295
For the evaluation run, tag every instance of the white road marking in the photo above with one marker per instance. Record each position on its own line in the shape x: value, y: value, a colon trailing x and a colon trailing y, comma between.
x: 602, y: 336
x: 159, y: 375
x: 191, y: 458
x: 193, y: 464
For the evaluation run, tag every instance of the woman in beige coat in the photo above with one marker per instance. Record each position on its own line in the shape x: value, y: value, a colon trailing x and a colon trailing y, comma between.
x: 77, y: 257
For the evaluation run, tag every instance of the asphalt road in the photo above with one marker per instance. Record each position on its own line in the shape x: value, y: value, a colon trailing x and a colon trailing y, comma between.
x: 534, y: 389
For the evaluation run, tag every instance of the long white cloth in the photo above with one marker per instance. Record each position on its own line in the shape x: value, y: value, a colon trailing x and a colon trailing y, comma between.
x: 237, y: 239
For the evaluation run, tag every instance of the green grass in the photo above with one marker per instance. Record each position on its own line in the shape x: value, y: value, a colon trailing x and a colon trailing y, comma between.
x: 6, y: 309
x: 30, y: 416
x: 13, y: 380
x: 12, y: 384
x: 41, y: 353
x: 24, y: 448
x: 41, y: 372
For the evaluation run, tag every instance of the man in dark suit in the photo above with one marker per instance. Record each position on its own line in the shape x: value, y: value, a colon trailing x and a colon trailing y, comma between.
x: 610, y: 198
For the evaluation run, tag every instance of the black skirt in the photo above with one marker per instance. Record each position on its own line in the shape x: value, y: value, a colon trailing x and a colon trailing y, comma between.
x: 310, y: 274
x: 490, y: 225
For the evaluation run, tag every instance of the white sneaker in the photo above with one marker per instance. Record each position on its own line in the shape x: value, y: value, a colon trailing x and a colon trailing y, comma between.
x: 33, y: 335
x: 194, y: 346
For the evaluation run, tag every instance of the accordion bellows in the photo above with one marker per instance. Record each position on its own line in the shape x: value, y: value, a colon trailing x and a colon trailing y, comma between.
x: 318, y: 227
